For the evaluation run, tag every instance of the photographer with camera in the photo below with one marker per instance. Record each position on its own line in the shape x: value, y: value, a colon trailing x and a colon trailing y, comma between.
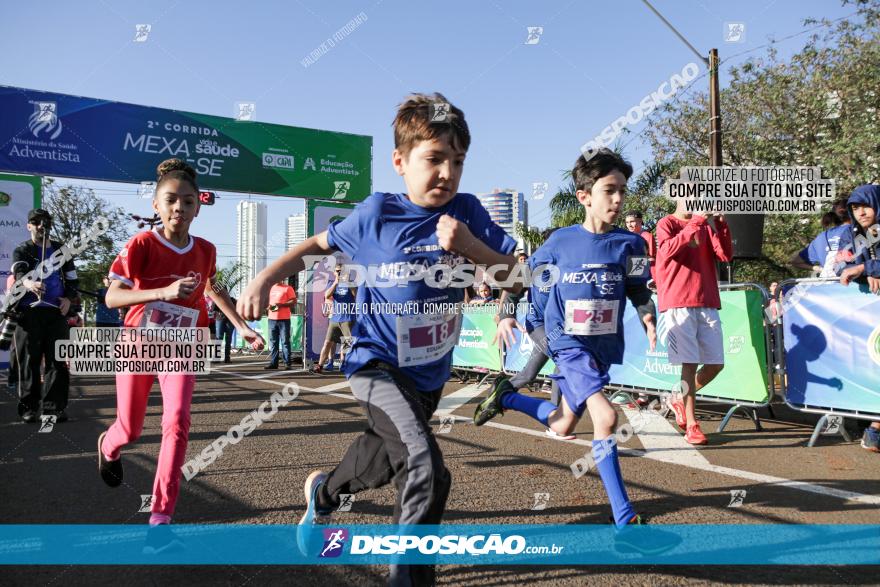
x: 41, y: 314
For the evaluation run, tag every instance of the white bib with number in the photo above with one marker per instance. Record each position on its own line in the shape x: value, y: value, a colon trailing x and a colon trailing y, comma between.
x: 165, y: 315
x: 591, y: 317
x: 425, y: 338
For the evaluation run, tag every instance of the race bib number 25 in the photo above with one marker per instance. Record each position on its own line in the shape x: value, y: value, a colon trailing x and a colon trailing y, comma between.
x: 591, y: 317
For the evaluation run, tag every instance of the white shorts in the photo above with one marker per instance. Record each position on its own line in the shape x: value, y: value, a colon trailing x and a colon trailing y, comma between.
x: 693, y: 335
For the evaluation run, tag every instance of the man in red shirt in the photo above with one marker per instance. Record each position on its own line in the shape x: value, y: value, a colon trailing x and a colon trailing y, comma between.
x: 281, y: 298
x: 688, y: 296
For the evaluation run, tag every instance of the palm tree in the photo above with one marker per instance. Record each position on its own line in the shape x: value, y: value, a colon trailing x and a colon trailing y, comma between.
x: 645, y: 194
x: 565, y: 209
x: 230, y: 276
x: 533, y: 237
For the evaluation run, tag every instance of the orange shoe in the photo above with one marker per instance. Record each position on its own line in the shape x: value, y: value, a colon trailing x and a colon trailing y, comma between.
x: 678, y: 409
x: 695, y: 436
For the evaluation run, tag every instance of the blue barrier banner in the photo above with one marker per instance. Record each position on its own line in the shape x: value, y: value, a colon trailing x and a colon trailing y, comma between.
x: 832, y: 347
x: 240, y: 544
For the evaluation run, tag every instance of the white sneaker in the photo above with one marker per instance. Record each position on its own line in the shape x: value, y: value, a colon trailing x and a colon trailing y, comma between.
x: 552, y: 434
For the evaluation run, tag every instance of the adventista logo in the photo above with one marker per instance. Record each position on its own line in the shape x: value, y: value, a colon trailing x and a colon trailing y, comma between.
x: 334, y: 540
x: 5, y: 199
x: 874, y: 345
x: 45, y: 120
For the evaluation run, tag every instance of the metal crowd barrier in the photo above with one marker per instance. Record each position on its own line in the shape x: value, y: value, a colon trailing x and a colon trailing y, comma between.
x: 830, y: 416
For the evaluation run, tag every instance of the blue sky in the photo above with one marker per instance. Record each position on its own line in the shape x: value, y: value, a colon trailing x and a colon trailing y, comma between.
x: 529, y: 106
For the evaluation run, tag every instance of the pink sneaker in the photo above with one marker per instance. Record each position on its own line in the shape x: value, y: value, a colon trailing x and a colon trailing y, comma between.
x: 695, y: 436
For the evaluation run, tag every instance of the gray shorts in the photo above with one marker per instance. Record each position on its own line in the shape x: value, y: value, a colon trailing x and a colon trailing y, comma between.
x: 336, y: 330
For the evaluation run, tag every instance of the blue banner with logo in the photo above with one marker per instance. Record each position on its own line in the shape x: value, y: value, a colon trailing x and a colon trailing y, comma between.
x: 241, y: 544
x: 832, y: 347
x: 45, y: 133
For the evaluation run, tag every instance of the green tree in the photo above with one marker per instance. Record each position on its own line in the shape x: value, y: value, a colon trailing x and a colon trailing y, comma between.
x: 231, y: 275
x: 818, y: 108
x: 74, y: 210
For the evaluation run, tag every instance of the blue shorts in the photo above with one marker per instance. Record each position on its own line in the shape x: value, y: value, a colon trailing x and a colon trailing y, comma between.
x: 580, y: 376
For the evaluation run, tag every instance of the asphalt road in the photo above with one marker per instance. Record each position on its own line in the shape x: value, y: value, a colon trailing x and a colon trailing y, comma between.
x: 51, y: 478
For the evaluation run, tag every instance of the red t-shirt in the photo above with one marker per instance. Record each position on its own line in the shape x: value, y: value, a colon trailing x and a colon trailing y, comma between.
x: 148, y: 261
x: 652, y: 246
x: 652, y: 251
x: 686, y: 255
x: 279, y: 294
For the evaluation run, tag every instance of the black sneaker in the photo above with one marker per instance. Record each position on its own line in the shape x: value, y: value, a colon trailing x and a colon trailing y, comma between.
x: 30, y: 417
x: 267, y: 367
x: 160, y: 538
x: 638, y: 538
x: 111, y: 471
x: 491, y: 406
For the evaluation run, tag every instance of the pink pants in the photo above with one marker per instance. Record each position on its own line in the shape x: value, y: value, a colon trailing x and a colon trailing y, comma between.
x: 132, y: 392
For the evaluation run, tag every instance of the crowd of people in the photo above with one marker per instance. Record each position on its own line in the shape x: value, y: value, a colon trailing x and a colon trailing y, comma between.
x: 577, y: 321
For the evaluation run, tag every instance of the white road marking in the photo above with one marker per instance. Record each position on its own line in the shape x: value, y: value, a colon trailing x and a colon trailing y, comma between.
x: 332, y: 386
x: 451, y: 402
x: 661, y: 439
x: 664, y: 455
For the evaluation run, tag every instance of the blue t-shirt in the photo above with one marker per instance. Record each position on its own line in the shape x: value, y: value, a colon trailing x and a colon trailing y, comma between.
x: 395, y: 238
x: 343, y: 300
x: 53, y: 287
x: 537, y: 302
x: 105, y: 314
x: 823, y: 250
x: 584, y: 308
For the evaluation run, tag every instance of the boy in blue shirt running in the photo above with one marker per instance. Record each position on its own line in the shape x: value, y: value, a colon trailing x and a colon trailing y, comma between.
x: 403, y: 335
x: 597, y: 266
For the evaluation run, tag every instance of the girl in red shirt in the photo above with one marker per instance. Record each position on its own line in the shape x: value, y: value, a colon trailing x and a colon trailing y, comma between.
x: 163, y: 275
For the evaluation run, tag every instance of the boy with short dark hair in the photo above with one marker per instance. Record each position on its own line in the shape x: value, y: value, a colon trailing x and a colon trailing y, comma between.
x: 404, y: 335
x: 599, y: 266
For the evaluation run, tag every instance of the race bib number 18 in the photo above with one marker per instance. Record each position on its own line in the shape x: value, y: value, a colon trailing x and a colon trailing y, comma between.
x: 424, y: 338
x: 591, y: 317
x: 165, y: 315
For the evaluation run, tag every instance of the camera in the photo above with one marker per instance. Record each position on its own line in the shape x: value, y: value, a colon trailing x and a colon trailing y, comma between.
x: 7, y: 328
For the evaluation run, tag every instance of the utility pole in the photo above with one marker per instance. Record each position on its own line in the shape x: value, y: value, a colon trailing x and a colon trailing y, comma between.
x: 715, y: 157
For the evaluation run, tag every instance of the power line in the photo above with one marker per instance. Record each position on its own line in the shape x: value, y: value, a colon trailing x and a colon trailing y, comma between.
x: 678, y: 34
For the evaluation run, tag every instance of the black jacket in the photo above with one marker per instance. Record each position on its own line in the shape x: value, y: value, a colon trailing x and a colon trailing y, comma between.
x: 26, y: 258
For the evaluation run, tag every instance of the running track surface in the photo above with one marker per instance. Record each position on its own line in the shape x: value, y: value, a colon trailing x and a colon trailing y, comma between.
x: 52, y: 478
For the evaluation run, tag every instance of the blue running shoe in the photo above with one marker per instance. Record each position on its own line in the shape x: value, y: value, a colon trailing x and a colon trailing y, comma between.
x: 639, y: 538
x: 305, y: 532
